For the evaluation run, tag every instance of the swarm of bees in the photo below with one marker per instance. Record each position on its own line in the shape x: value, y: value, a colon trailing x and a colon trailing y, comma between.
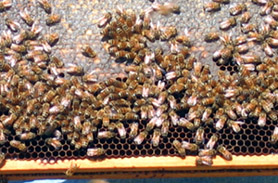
x: 162, y: 90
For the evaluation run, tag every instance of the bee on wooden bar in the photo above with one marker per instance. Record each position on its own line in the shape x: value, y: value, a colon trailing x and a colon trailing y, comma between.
x: 237, y: 9
x: 206, y: 152
x: 179, y: 148
x: 204, y: 160
x: 2, y: 158
x: 189, y: 146
x: 227, y: 24
x: 45, y: 4
x: 95, y: 152
x: 156, y: 137
x: 212, y: 7
x: 72, y: 169
x: 224, y: 152
x: 26, y: 17
x: 140, y: 138
x: 18, y: 145
x: 53, y: 19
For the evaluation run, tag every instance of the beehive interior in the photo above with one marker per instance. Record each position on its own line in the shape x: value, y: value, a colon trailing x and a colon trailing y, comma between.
x: 75, y: 32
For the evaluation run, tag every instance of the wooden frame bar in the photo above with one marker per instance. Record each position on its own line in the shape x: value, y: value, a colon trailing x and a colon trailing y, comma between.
x: 141, y: 167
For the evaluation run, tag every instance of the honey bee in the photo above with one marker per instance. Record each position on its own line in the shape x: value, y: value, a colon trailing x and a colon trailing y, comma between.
x: 13, y: 25
x: 185, y: 123
x: 222, y: 1
x: 204, y: 160
x: 179, y: 148
x: 270, y: 21
x: 133, y: 129
x: 3, y: 138
x: 45, y: 4
x: 206, y: 114
x: 207, y: 152
x: 27, y: 136
x: 237, y: 9
x: 166, y: 8
x: 88, y: 52
x: 149, y: 34
x: 228, y: 23
x: 212, y: 7
x: 51, y: 39
x: 18, y: 145
x: 245, y: 17
x: 53, y: 19
x: 267, y: 8
x: 212, y: 36
x: 224, y: 152
x: 199, y: 137
x: 9, y: 120
x: 235, y: 125
x: 140, y: 138
x: 5, y: 4
x: 121, y: 130
x: 105, y: 134
x: 72, y: 169
x: 93, y: 152
x: 212, y: 141
x: 103, y: 21
x: 26, y: 17
x: 267, y: 105
x: 54, y: 142
x: 2, y: 155
x: 156, y: 137
x: 168, y: 33
x: 192, y: 100
x: 189, y: 146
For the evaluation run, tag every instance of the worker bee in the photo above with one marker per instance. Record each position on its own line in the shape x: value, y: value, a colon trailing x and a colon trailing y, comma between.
x: 212, y: 6
x: 166, y: 8
x: 5, y: 4
x: 262, y: 119
x: 13, y: 25
x: 212, y: 36
x: 267, y: 8
x: 27, y: 136
x: 51, y: 39
x: 212, y: 141
x: 74, y: 69
x: 165, y: 128
x: 88, y: 52
x: 270, y: 21
x: 168, y: 33
x: 149, y: 34
x: 235, y: 125
x: 184, y: 39
x: 228, y: 23
x: 179, y: 148
x: 206, y: 152
x: 121, y: 130
x: 2, y: 158
x: 133, y: 129
x: 140, y: 138
x: 45, y: 4
x: 72, y: 169
x: 237, y: 9
x: 26, y: 17
x: 222, y: 1
x: 224, y: 152
x: 274, y: 136
x: 93, y: 152
x: 199, y: 137
x: 53, y: 19
x: 185, y: 123
x: 206, y: 114
x: 156, y: 137
x: 204, y: 160
x: 267, y: 105
x: 18, y: 48
x: 103, y: 21
x: 245, y: 17
x: 189, y: 146
x: 105, y: 134
x: 9, y: 120
x: 54, y: 142
x: 18, y: 145
x: 229, y: 111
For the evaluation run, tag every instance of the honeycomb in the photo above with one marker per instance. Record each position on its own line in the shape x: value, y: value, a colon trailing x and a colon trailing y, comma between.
x: 195, y: 21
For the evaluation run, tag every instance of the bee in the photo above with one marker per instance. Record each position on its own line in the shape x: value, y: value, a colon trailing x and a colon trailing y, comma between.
x: 5, y: 4
x: 26, y: 17
x: 207, y: 152
x: 165, y: 128
x: 204, y: 160
x: 267, y: 105
x: 212, y: 141
x: 199, y: 137
x: 212, y: 7
x: 9, y: 120
x: 74, y: 69
x: 27, y: 136
x: 192, y: 100
x: 103, y: 21
x: 229, y: 111
x: 267, y: 8
x: 179, y: 148
x: 174, y: 118
x: 2, y: 158
x: 212, y: 36
x: 189, y: 146
x: 105, y: 134
x: 54, y: 142
x: 184, y: 39
x: 88, y: 52
x: 270, y: 21
x: 185, y: 123
x: 262, y: 119
x: 222, y: 1
x: 13, y: 26
x: 272, y: 42
x: 51, y: 39
x: 166, y: 8
x: 235, y: 125
x: 18, y: 145
x: 53, y: 19
x: 93, y: 152
x: 168, y: 33
x: 228, y: 23
x: 133, y: 129
x: 149, y: 34
x: 237, y: 9
x: 245, y: 17
x: 121, y: 130
x: 140, y: 138
x: 45, y: 4
x: 156, y: 137
x: 224, y: 152
x: 72, y: 169
x: 274, y: 136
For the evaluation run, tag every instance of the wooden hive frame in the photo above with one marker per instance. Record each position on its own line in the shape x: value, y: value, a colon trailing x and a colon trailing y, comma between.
x: 141, y: 167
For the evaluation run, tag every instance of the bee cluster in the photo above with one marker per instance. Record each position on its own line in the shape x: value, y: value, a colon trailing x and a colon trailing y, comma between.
x: 167, y: 103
